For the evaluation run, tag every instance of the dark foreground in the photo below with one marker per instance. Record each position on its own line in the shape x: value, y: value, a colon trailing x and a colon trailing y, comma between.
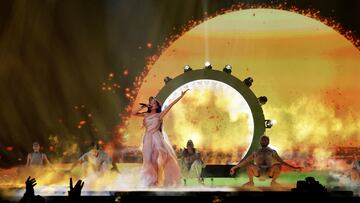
x: 215, y: 197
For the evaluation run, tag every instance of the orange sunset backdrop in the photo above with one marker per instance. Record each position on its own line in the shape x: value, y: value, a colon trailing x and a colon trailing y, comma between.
x: 308, y: 71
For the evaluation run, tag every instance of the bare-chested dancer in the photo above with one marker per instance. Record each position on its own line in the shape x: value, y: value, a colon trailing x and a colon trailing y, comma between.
x: 267, y: 164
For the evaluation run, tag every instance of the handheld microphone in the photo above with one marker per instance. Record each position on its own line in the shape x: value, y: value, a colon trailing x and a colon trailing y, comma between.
x: 143, y: 104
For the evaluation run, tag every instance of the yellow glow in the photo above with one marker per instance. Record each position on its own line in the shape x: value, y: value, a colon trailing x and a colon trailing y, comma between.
x: 212, y: 113
x: 308, y: 71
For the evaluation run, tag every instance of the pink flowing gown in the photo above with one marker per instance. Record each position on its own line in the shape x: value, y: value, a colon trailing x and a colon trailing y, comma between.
x: 160, y: 167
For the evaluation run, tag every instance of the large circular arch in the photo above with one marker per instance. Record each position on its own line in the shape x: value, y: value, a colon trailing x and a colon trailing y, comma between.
x: 237, y: 84
x: 330, y: 62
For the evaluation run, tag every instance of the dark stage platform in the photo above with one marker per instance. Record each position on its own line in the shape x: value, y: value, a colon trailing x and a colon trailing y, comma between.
x: 214, y: 197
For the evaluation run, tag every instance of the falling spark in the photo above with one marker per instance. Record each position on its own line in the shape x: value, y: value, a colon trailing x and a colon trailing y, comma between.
x: 82, y: 122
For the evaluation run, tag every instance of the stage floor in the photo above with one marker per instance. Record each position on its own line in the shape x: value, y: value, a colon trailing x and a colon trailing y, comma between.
x: 55, y: 183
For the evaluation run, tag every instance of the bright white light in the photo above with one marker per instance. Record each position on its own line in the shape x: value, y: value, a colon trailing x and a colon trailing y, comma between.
x: 274, y: 122
x: 207, y: 64
x: 236, y: 107
x: 195, y: 137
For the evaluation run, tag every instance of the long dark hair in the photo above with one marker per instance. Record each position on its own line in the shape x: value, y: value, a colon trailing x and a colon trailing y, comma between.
x: 158, y: 109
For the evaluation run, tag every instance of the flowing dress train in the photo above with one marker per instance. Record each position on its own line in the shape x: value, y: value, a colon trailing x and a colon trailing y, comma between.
x: 160, y: 166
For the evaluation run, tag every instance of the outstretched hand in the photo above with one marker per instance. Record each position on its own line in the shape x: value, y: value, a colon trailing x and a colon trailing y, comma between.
x: 183, y: 92
x: 30, y: 183
x: 76, y: 191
